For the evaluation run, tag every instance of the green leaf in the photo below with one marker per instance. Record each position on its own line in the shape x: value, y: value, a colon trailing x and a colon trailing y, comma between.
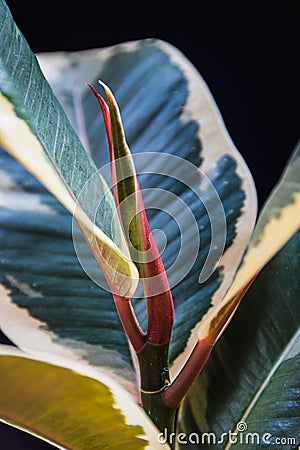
x: 35, y: 130
x: 278, y: 400
x: 251, y: 374
x: 68, y: 407
x: 277, y: 223
x: 167, y: 109
x: 48, y: 303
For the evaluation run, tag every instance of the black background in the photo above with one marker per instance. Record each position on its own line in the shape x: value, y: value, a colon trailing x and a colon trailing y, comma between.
x: 246, y: 54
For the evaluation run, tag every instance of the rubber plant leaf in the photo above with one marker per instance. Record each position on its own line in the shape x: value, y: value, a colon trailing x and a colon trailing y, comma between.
x: 280, y: 218
x: 101, y: 412
x: 182, y: 154
x: 277, y: 223
x: 35, y: 131
x: 250, y: 383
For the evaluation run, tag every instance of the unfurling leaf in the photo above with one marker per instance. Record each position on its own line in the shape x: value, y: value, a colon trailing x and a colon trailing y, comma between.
x: 135, y: 224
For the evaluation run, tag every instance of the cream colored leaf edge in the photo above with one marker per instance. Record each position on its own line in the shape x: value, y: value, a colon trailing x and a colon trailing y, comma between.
x: 32, y: 336
x: 275, y: 234
x: 215, y: 139
x: 132, y: 412
x: 19, y: 141
x: 200, y: 107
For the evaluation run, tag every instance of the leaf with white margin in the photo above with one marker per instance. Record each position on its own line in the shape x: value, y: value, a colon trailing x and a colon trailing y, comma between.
x: 47, y: 302
x: 277, y: 223
x: 252, y: 374
x: 69, y: 405
x: 35, y: 130
x: 167, y: 108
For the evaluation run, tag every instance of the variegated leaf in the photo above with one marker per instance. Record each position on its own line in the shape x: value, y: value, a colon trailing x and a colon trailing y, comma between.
x: 35, y: 130
x: 252, y: 375
x: 65, y: 405
x: 277, y: 223
x: 167, y: 109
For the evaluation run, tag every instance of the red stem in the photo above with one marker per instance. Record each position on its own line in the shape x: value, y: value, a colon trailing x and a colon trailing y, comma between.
x: 174, y: 393
x: 197, y: 360
x: 129, y: 322
x: 160, y: 306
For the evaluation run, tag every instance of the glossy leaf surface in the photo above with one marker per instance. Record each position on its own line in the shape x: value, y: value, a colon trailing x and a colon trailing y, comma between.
x: 36, y: 131
x: 70, y: 409
x: 278, y: 221
x: 252, y: 373
x: 166, y: 107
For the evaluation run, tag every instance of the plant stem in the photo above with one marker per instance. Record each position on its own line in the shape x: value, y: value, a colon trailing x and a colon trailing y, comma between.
x: 174, y: 393
x: 207, y: 338
x: 153, y: 361
x: 129, y: 321
x: 162, y: 416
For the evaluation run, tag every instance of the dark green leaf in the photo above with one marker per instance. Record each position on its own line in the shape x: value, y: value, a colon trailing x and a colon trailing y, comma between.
x: 252, y: 361
x: 36, y: 131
